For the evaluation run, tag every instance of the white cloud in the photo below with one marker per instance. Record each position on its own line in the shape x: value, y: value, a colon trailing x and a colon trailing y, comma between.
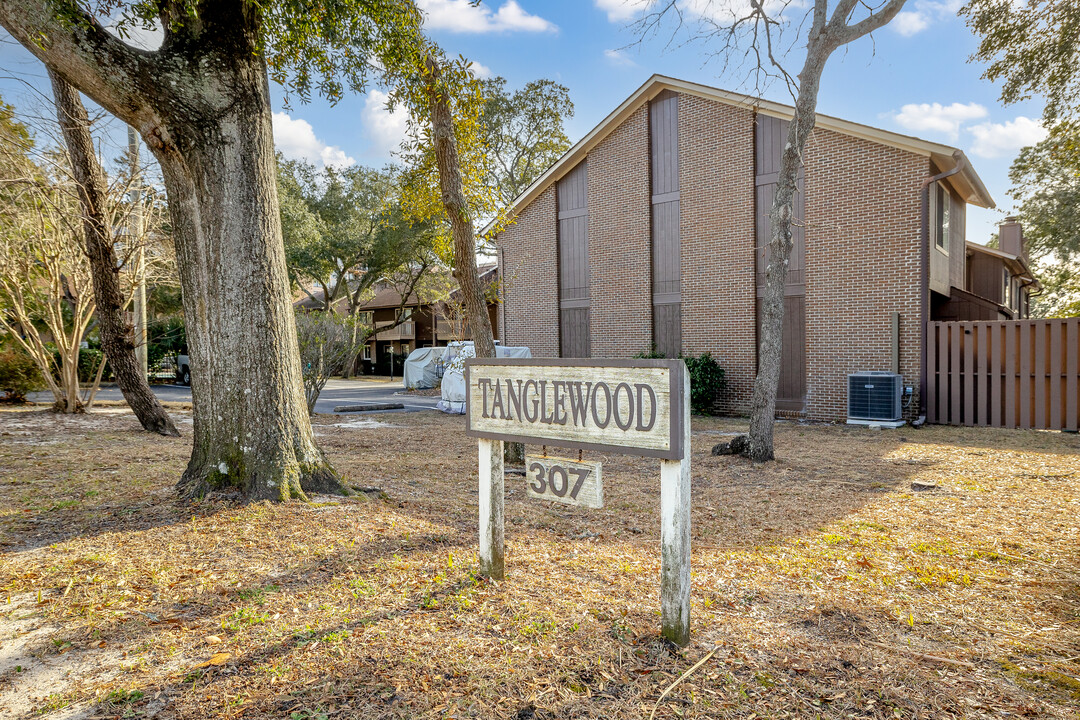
x: 925, y: 12
x: 997, y: 139
x: 935, y: 117
x: 910, y: 23
x: 618, y: 58
x: 135, y: 34
x: 481, y: 71
x: 385, y: 129
x: 296, y: 140
x: 623, y: 10
x: 461, y: 16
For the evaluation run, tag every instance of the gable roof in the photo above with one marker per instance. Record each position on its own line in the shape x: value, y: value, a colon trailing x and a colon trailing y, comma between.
x: 1016, y: 263
x: 966, y: 182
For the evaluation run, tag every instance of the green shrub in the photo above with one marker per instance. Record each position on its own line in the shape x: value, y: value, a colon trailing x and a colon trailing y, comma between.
x: 706, y: 378
x: 706, y: 381
x: 19, y: 375
x: 651, y: 354
x: 164, y: 338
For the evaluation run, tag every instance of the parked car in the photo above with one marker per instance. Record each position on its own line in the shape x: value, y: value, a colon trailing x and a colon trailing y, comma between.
x: 183, y: 370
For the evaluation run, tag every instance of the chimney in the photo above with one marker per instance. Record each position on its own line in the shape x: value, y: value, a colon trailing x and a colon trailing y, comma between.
x: 1011, y: 237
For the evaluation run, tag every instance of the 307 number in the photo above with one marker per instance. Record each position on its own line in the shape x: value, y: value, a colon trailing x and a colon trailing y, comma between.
x: 565, y: 481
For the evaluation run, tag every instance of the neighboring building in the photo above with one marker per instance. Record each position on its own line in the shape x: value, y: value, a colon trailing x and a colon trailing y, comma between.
x: 999, y: 281
x: 651, y: 231
x: 426, y: 325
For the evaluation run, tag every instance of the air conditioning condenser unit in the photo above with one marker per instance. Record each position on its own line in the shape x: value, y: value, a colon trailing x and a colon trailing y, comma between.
x: 875, y: 398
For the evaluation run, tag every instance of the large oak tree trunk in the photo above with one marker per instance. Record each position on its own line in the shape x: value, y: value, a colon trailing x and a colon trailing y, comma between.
x: 116, y: 334
x: 252, y: 428
x: 202, y: 105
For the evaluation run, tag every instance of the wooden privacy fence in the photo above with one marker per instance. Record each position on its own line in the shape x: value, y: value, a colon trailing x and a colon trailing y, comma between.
x: 1011, y: 373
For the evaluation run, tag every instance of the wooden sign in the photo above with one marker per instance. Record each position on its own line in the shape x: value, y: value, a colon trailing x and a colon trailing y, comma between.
x: 564, y: 481
x: 638, y: 407
x: 627, y: 406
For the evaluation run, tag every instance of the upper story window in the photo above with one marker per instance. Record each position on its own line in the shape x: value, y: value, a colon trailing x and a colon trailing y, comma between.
x: 941, y: 226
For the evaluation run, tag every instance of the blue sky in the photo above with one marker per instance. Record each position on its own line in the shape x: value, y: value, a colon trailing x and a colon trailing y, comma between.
x: 913, y: 77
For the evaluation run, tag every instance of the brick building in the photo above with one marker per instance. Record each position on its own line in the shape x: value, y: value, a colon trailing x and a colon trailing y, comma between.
x: 647, y: 233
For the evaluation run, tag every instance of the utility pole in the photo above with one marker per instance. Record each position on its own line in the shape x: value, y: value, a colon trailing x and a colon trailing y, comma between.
x: 138, y: 260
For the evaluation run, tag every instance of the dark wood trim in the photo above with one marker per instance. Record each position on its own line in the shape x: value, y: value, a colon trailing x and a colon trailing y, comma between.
x: 574, y: 303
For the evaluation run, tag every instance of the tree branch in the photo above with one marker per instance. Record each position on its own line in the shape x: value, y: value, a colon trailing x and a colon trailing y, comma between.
x: 79, y: 49
x: 841, y: 33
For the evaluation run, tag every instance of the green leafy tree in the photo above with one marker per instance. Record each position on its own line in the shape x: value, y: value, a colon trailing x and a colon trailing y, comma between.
x: 1033, y: 48
x: 201, y: 102
x: 344, y: 231
x: 523, y: 132
x: 1046, y: 184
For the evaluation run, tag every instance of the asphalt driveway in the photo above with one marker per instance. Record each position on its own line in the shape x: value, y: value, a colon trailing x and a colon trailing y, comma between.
x: 337, y: 392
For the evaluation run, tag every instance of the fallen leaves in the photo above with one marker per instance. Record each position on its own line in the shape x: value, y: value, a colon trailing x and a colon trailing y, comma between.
x: 216, y: 660
x: 375, y: 609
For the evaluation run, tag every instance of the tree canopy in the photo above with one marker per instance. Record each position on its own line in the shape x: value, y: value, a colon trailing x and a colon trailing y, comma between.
x: 1046, y: 185
x: 523, y: 132
x: 344, y: 230
x: 1032, y: 47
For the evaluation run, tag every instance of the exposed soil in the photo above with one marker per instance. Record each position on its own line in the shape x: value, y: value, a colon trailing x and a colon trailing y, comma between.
x: 824, y: 585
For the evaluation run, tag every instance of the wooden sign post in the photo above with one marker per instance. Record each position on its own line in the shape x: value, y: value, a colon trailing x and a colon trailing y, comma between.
x: 491, y: 508
x: 635, y: 407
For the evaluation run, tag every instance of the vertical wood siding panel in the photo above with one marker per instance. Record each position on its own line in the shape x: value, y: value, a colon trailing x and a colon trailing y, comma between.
x: 932, y: 349
x: 1057, y: 388
x: 1041, y: 420
x: 769, y: 139
x: 574, y: 261
x: 1027, y: 348
x: 1010, y: 375
x: 666, y: 239
x: 1072, y: 368
x: 968, y: 336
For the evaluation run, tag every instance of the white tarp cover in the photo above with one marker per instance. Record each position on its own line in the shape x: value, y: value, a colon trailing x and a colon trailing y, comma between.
x: 420, y: 368
x: 453, y: 382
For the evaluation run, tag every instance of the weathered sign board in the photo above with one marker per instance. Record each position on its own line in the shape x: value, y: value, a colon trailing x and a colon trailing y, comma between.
x: 570, y: 482
x: 635, y: 407
x: 629, y: 406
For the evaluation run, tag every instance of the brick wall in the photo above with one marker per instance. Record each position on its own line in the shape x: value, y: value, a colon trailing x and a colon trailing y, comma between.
x: 862, y: 264
x: 862, y: 254
x: 620, y: 274
x: 530, y: 307
x: 716, y: 182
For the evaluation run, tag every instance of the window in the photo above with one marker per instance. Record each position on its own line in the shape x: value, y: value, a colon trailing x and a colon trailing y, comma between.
x: 941, y: 227
x: 1004, y: 286
x: 367, y: 351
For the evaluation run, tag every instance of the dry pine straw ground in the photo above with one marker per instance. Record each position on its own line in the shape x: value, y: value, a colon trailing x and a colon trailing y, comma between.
x: 823, y: 584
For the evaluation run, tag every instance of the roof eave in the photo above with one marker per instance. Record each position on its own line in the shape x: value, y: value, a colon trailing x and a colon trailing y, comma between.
x: 969, y: 183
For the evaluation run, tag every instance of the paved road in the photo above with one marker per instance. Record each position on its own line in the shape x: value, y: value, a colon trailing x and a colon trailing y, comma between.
x: 336, y: 392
